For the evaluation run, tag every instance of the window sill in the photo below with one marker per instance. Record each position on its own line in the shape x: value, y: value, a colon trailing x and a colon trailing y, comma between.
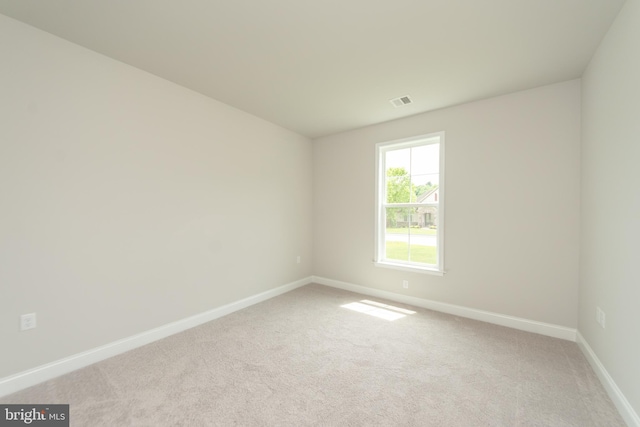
x: 411, y: 268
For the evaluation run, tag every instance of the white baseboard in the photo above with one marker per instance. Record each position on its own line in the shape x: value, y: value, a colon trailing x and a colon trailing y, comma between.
x: 624, y: 407
x: 51, y: 370
x: 547, y: 329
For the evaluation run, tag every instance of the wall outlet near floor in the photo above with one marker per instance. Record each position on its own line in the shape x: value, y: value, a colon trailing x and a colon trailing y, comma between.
x: 601, y: 317
x: 405, y: 284
x: 27, y: 321
x: 298, y: 259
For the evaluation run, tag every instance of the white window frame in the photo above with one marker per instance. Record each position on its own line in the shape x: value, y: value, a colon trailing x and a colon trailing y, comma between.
x: 380, y: 216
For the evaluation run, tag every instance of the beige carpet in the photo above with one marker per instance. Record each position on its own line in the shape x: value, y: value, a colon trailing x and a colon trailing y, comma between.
x: 303, y: 359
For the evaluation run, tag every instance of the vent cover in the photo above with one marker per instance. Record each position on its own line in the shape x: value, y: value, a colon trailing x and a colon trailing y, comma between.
x: 400, y: 102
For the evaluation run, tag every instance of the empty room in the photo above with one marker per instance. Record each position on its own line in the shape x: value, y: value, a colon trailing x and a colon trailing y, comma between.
x: 294, y: 213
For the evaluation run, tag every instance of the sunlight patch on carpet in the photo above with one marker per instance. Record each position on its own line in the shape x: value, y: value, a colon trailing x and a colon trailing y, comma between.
x: 377, y: 309
x: 388, y: 307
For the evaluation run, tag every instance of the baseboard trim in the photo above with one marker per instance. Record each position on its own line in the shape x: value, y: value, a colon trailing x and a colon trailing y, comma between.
x: 54, y: 369
x: 547, y: 329
x: 624, y: 407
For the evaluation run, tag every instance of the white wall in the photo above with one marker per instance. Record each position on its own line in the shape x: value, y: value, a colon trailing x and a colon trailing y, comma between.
x: 128, y: 202
x: 512, y: 205
x: 610, y: 254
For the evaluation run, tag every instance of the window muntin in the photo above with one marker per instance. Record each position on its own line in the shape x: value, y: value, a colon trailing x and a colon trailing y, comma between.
x: 409, y: 212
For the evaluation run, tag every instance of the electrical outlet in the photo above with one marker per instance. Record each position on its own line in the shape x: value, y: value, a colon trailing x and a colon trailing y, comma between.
x: 405, y: 284
x: 298, y: 259
x: 27, y: 321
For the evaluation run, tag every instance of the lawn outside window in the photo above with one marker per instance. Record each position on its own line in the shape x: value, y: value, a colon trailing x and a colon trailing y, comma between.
x: 410, y: 204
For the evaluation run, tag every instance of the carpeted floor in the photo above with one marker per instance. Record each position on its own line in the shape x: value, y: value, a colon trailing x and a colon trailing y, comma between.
x: 303, y: 359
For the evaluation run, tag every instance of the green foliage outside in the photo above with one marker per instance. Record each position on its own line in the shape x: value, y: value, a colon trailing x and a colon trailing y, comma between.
x: 399, y: 186
x: 421, y: 189
x: 399, y: 189
x: 419, y: 253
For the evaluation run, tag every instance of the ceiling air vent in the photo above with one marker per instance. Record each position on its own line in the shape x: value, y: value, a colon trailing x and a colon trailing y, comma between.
x: 400, y: 102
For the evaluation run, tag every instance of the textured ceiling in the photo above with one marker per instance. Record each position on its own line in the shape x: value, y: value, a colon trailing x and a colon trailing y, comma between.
x: 319, y: 68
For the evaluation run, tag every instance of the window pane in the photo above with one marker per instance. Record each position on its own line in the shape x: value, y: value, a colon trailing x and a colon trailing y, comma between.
x: 425, y: 168
x: 425, y: 159
x: 398, y: 158
x: 396, y: 235
x: 423, y: 235
x: 423, y: 186
x: 398, y: 185
x: 411, y: 234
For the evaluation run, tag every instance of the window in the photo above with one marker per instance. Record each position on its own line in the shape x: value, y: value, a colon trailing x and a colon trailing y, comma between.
x: 410, y: 208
